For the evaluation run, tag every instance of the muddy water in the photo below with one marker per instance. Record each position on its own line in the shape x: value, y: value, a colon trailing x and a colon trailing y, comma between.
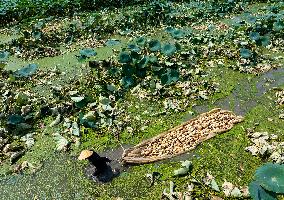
x: 247, y: 94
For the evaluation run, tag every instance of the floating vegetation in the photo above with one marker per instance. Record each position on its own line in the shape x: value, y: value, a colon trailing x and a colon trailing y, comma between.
x: 182, y: 138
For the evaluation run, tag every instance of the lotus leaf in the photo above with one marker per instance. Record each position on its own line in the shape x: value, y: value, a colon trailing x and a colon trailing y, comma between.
x: 278, y: 26
x: 111, y: 88
x: 265, y: 40
x: 26, y: 71
x: 153, y: 59
x: 127, y: 81
x: 75, y: 129
x: 177, y: 34
x: 133, y: 47
x: 61, y: 142
x: 245, y: 53
x: 15, y: 119
x: 86, y: 53
x: 112, y: 42
x: 168, y: 49
x: 154, y: 45
x: 258, y: 193
x: 254, y: 36
x: 170, y: 77
x: 22, y: 98
x: 271, y: 177
x: 104, y: 100
x: 140, y: 41
x: 181, y: 171
x: 4, y: 55
x: 124, y: 57
x: 128, y: 70
x: 143, y: 62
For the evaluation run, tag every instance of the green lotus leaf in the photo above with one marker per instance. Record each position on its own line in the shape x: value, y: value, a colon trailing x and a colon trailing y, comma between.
x: 140, y: 41
x: 177, y: 34
x: 124, y: 57
x: 37, y: 35
x: 133, y: 47
x: 168, y: 49
x: 245, y: 53
x: 86, y: 53
x: 112, y: 42
x: 169, y: 29
x: 254, y: 36
x: 26, y: 71
x: 278, y: 26
x: 181, y: 172
x: 104, y: 100
x: 271, y: 177
x: 154, y: 45
x: 258, y: 193
x: 75, y: 130
x: 153, y: 59
x: 265, y: 40
x: 143, y: 62
x: 15, y: 119
x: 21, y: 98
x: 170, y: 77
x: 128, y: 70
x: 127, y: 81
x: 4, y: 56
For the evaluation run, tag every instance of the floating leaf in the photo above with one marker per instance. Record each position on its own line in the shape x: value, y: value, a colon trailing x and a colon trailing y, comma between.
x: 28, y: 139
x: 124, y: 57
x: 75, y: 129
x: 127, y: 81
x: 271, y: 177
x: 4, y: 56
x: 168, y: 49
x: 170, y: 77
x: 245, y: 53
x: 140, y: 41
x: 26, y: 71
x: 278, y: 26
x: 177, y: 34
x: 181, y: 171
x: 265, y: 40
x: 128, y: 70
x: 154, y: 45
x: 214, y: 185
x: 77, y: 99
x: 61, y: 142
x: 133, y: 47
x: 258, y: 193
x: 112, y: 42
x: 15, y: 119
x: 143, y: 62
x: 88, y: 53
x: 254, y: 36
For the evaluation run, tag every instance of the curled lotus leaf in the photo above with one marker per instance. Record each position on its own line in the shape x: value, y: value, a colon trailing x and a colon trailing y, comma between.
x: 154, y: 45
x: 124, y: 57
x: 245, y: 53
x: 271, y: 177
x: 181, y: 171
x: 26, y: 71
x: 168, y: 49
x: 77, y: 99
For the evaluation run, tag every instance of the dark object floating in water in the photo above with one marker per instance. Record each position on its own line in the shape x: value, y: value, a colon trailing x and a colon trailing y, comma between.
x: 98, y: 170
x: 26, y: 71
x: 183, y: 138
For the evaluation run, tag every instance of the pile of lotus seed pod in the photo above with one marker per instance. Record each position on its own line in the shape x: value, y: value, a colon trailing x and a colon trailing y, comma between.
x: 265, y: 144
x: 182, y: 138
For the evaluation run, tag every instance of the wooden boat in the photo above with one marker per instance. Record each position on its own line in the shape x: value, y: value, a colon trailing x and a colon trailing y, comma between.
x: 182, y: 138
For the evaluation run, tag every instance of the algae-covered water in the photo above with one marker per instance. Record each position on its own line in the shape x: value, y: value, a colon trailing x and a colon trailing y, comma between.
x: 108, y: 76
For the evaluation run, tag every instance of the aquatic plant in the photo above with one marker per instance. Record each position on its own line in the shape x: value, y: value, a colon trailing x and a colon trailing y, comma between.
x: 269, y: 181
x: 26, y: 71
x: 154, y: 45
x: 168, y: 49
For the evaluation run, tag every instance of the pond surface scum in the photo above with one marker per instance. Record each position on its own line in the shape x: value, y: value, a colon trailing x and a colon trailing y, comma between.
x: 112, y: 77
